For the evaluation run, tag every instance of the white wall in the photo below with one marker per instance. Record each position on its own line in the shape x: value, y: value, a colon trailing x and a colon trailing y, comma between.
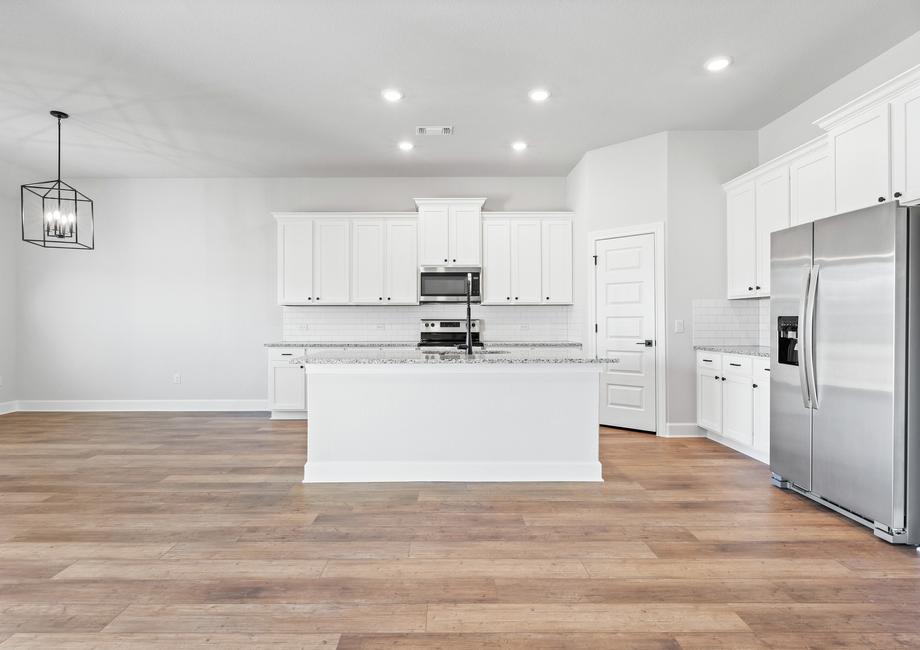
x: 10, y: 236
x: 795, y: 127
x: 183, y: 280
x: 674, y: 178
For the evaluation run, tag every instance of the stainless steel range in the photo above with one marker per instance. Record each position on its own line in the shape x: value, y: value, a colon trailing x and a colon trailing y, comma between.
x: 448, y: 333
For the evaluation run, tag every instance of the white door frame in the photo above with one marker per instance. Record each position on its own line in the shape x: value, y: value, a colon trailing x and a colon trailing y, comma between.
x: 656, y: 229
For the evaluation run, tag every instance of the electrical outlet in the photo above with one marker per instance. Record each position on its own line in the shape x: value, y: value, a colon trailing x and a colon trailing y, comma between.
x: 679, y: 326
x: 177, y: 378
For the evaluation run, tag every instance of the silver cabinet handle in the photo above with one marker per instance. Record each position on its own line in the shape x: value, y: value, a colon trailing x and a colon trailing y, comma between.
x: 803, y: 379
x: 810, y: 338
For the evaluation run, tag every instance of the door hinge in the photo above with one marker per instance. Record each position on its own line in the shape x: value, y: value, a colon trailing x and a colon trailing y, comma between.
x: 595, y: 259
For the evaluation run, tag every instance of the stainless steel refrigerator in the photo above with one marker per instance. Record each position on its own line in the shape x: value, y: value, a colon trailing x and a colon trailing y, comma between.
x: 845, y: 366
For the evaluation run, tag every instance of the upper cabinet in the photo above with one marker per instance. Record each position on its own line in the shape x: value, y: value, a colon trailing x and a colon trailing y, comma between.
x: 861, y: 155
x: 450, y: 232
x: 527, y: 258
x: 347, y: 259
x: 905, y: 146
x: 870, y: 154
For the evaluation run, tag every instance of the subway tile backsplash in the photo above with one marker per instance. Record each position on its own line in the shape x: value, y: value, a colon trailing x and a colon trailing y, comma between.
x: 731, y: 322
x: 401, y: 323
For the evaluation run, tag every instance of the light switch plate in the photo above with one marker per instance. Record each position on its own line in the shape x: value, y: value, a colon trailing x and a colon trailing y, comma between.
x: 679, y: 326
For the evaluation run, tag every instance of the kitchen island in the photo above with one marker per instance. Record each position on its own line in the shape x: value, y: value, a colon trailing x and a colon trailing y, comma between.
x: 502, y: 414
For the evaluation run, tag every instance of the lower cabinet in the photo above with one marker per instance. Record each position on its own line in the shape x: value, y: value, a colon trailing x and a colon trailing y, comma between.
x: 733, y: 401
x: 287, y: 384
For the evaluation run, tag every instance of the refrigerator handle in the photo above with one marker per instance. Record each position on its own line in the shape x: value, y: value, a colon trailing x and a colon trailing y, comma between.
x: 803, y: 342
x: 810, y: 338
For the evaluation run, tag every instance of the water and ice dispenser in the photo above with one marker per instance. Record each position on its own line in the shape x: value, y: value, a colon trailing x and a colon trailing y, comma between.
x: 787, y: 332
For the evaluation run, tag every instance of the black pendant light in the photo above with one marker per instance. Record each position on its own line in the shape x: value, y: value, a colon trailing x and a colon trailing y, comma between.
x: 55, y: 214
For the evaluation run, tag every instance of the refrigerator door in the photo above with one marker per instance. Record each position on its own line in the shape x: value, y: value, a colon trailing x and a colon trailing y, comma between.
x: 790, y: 412
x: 860, y: 307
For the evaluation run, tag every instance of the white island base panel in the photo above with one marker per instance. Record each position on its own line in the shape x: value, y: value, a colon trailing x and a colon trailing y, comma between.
x: 452, y: 422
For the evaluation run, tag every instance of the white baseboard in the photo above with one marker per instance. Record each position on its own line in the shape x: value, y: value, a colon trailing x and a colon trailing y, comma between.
x: 289, y: 415
x: 682, y: 430
x: 8, y: 407
x: 747, y: 450
x: 144, y: 405
x: 387, y: 472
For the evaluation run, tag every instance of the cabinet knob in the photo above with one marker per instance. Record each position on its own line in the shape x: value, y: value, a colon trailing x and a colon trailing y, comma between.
x: 454, y: 260
x: 317, y: 298
x: 750, y: 288
x: 380, y: 298
x: 757, y: 287
x: 897, y: 195
x: 515, y: 297
x: 310, y: 298
x: 755, y: 385
x: 445, y: 259
x: 547, y: 297
x: 389, y: 298
x: 723, y: 378
x: 508, y: 298
x: 881, y: 199
x: 717, y: 377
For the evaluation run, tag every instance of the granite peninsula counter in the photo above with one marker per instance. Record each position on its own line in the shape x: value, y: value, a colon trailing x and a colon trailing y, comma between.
x: 402, y: 414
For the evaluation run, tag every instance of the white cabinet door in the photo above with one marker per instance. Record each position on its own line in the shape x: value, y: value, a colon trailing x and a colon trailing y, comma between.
x: 737, y: 408
x: 761, y: 438
x: 295, y: 262
x: 496, y: 262
x: 367, y: 261
x: 465, y: 225
x: 526, y: 265
x: 401, y: 262
x: 905, y: 146
x: 434, y: 235
x: 709, y: 400
x: 557, y: 261
x: 330, y: 262
x: 771, y: 201
x: 811, y: 187
x: 740, y: 242
x: 286, y: 386
x: 860, y: 149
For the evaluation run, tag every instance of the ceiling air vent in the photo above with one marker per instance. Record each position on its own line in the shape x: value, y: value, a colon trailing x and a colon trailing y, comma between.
x: 434, y: 130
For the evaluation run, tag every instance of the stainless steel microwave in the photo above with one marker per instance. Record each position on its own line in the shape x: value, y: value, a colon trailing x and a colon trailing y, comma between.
x: 448, y: 283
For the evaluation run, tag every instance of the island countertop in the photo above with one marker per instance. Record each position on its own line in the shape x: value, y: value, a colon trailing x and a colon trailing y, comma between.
x: 414, y: 356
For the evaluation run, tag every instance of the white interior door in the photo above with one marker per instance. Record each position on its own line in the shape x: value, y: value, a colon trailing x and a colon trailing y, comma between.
x: 625, y: 313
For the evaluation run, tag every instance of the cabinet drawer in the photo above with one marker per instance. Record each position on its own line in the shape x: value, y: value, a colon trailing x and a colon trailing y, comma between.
x: 736, y: 364
x: 708, y: 360
x: 761, y: 364
x: 284, y: 354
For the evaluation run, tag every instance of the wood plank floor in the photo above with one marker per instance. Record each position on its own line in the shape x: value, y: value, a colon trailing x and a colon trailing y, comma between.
x: 193, y: 530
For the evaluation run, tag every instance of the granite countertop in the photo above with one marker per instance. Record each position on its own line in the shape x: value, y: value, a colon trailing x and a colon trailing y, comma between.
x: 407, y: 345
x: 404, y: 355
x: 746, y: 350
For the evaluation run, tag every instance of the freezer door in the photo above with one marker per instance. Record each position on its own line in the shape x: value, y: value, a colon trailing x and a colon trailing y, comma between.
x: 790, y: 412
x: 860, y: 300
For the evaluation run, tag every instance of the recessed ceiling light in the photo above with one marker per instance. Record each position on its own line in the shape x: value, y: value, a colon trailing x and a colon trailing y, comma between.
x: 539, y: 95
x: 519, y: 145
x: 392, y: 95
x: 718, y: 63
x: 405, y: 145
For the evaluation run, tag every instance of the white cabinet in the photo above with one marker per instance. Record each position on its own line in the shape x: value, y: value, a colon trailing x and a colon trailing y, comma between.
x: 557, y: 261
x: 286, y: 380
x: 449, y: 232
x: 401, y: 284
x: 709, y: 400
x: 860, y: 151
x: 811, y: 185
x: 761, y: 405
x: 741, y: 240
x: 496, y: 262
x: 905, y: 146
x: 526, y: 263
x: 368, y: 252
x: 295, y: 262
x: 527, y: 258
x: 733, y: 401
x: 771, y: 213
x: 331, y: 256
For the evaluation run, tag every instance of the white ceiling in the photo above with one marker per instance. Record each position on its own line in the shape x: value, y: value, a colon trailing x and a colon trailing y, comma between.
x: 292, y: 88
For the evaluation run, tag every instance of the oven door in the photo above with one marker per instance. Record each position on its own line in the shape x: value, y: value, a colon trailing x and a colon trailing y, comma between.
x: 447, y: 284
